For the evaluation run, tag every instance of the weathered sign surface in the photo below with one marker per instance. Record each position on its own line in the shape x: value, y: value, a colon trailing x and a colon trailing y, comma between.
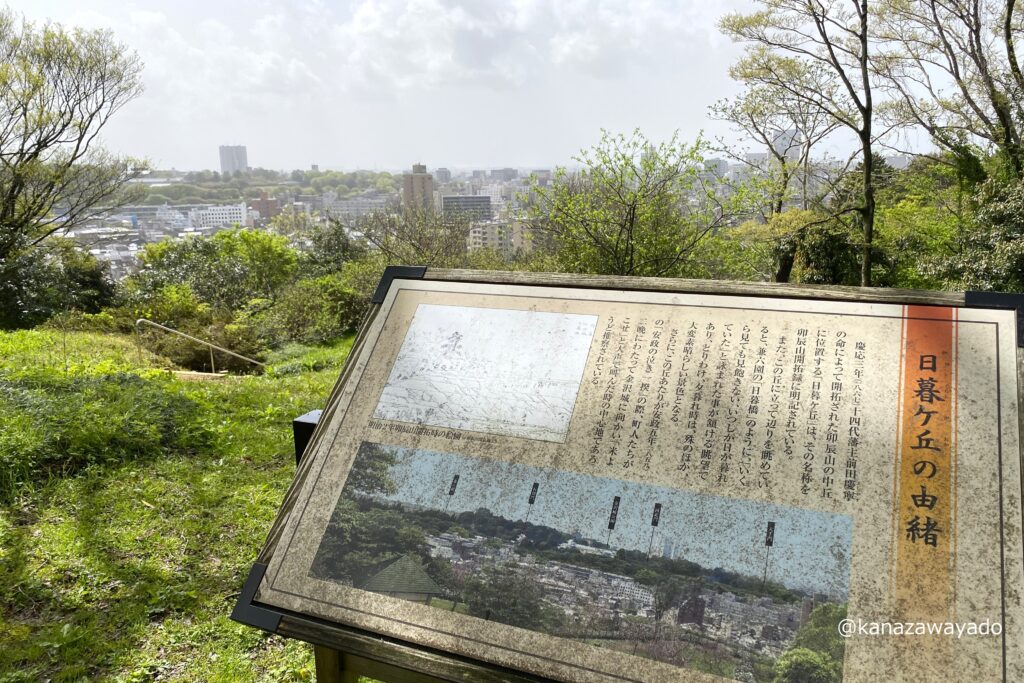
x: 597, y: 485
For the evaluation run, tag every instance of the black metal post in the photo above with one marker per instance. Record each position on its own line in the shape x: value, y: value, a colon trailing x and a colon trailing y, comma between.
x: 302, y: 431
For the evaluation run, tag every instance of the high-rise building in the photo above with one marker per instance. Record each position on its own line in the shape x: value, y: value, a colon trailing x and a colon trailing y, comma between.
x: 233, y: 158
x: 541, y: 176
x: 474, y: 207
x: 716, y: 168
x: 442, y: 175
x: 505, y: 237
x: 418, y: 188
x: 504, y: 174
x: 788, y: 143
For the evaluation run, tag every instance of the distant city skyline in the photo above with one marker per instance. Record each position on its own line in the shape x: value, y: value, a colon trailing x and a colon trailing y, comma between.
x: 811, y: 550
x: 383, y: 84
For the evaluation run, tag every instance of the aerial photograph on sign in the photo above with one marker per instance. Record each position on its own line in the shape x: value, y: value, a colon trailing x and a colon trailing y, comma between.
x: 499, y: 371
x: 716, y: 584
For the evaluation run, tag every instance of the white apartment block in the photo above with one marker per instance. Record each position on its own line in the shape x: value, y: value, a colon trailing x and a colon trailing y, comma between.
x: 220, y: 215
x: 506, y: 237
x: 352, y: 208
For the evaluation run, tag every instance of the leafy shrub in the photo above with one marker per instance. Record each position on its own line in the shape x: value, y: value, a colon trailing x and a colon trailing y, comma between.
x: 316, y: 310
x: 225, y: 271
x: 54, y: 425
x: 176, y: 306
x: 990, y: 256
x: 82, y: 322
x: 41, y: 282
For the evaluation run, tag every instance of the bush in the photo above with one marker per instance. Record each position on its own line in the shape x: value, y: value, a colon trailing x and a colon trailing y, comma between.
x: 990, y: 256
x: 225, y: 271
x: 238, y: 337
x: 176, y: 306
x: 316, y: 310
x: 56, y: 277
x: 55, y: 426
x: 82, y: 322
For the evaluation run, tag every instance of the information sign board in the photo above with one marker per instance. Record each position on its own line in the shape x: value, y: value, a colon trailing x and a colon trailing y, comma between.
x: 598, y: 484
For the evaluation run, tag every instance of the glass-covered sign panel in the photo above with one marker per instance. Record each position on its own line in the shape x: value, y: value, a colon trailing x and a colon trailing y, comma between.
x: 598, y: 485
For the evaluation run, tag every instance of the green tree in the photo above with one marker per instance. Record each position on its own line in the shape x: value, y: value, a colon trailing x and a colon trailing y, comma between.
x: 801, y: 665
x: 989, y: 254
x: 922, y: 211
x: 634, y: 208
x: 821, y: 632
x: 954, y: 71
x: 313, y: 310
x: 358, y: 542
x: 227, y: 271
x: 816, y: 654
x: 787, y: 128
x: 371, y: 470
x: 504, y: 596
x: 817, y: 53
x: 58, y: 89
x: 331, y: 246
x: 827, y: 254
x: 56, y: 278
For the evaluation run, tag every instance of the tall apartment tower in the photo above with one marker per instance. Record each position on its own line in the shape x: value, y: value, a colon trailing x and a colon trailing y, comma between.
x: 233, y: 158
x: 418, y: 188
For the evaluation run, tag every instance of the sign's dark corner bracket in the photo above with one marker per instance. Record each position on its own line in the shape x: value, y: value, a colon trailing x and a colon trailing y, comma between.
x: 245, y: 612
x: 392, y: 273
x: 1000, y: 300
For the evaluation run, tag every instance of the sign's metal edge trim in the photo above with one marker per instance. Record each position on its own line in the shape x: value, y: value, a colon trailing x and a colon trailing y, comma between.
x: 392, y: 273
x: 248, y: 613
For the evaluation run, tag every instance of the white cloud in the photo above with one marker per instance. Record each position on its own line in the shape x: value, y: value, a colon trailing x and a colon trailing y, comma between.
x: 296, y: 78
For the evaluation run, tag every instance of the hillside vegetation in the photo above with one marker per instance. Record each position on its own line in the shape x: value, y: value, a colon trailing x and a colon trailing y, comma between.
x: 132, y: 507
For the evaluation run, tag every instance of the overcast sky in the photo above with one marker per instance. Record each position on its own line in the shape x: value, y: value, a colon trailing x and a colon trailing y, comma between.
x: 385, y: 83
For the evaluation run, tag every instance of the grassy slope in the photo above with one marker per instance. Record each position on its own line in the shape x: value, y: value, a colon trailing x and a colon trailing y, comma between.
x: 129, y: 572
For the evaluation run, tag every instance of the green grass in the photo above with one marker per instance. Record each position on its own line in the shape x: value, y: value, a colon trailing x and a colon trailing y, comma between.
x: 31, y: 352
x: 127, y: 571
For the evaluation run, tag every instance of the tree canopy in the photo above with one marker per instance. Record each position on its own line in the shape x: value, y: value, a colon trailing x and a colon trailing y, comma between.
x: 632, y: 208
x: 58, y: 89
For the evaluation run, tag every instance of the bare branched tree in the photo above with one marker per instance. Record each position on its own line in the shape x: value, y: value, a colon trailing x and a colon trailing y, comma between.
x: 787, y: 129
x: 420, y: 236
x: 817, y: 52
x: 952, y: 68
x: 58, y: 89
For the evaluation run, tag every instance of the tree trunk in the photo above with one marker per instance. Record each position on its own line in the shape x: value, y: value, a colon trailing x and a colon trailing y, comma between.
x: 867, y: 213
x: 787, y: 257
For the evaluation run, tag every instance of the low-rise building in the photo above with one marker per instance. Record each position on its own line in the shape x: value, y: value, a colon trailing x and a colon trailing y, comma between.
x: 220, y: 215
